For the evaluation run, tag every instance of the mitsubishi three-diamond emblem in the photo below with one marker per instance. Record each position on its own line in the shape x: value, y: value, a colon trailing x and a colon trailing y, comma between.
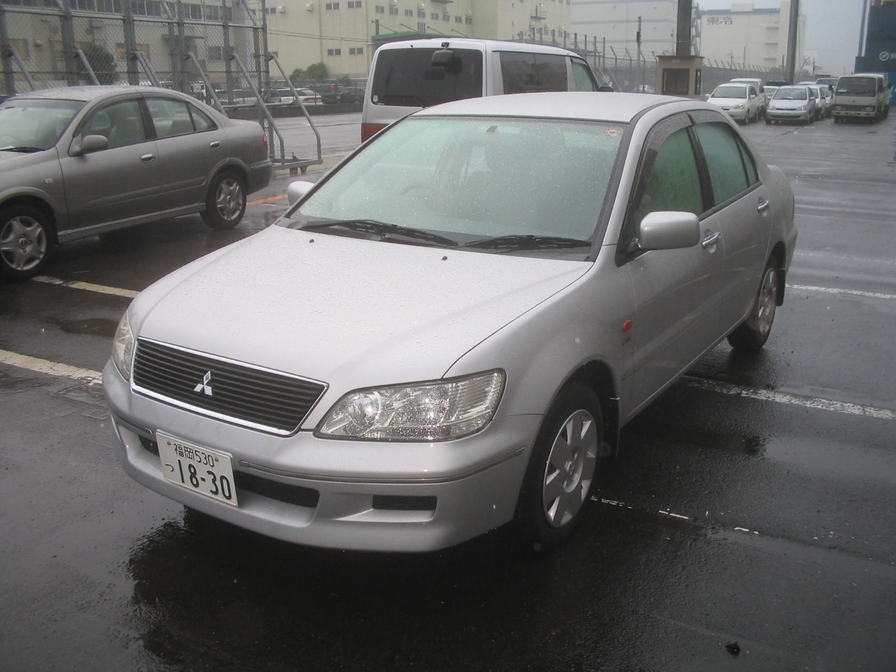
x: 205, y: 386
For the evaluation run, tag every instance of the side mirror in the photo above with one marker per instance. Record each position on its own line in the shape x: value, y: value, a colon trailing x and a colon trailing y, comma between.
x: 296, y: 191
x: 90, y: 144
x: 668, y: 230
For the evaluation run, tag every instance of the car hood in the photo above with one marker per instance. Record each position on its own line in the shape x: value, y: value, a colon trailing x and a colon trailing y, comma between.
x: 789, y: 104
x: 347, y: 312
x: 727, y: 101
x: 7, y: 159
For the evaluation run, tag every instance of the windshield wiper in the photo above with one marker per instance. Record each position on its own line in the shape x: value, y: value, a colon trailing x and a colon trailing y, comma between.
x: 23, y: 150
x: 528, y: 242
x: 384, y: 230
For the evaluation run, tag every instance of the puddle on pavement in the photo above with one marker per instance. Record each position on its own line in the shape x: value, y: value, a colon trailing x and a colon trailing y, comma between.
x: 92, y: 326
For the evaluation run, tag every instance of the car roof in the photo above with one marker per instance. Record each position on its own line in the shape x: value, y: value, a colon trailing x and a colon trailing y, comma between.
x: 584, y: 105
x: 89, y: 93
x: 469, y: 42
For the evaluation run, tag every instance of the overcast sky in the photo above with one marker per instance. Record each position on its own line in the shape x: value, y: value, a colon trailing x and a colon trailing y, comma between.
x: 832, y: 29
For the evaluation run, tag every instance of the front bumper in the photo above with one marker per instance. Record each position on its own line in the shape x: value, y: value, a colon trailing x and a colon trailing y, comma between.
x: 336, y: 494
x: 789, y: 115
x: 736, y: 114
x: 855, y: 112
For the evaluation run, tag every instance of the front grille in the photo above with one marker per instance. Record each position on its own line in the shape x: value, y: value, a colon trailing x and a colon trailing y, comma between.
x: 232, y: 391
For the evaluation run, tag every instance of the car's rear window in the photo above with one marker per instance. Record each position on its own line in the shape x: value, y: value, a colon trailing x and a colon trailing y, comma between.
x: 406, y: 77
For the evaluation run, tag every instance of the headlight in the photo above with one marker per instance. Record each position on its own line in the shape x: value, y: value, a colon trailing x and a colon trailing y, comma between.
x: 801, y: 108
x: 739, y: 106
x: 123, y: 347
x: 433, y: 411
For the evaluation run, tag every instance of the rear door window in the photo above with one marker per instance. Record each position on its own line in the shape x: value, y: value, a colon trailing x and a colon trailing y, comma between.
x: 406, y: 77
x: 525, y: 72
x: 731, y: 169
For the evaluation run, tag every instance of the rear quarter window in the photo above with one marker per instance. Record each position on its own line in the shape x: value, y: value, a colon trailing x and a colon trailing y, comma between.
x: 406, y: 77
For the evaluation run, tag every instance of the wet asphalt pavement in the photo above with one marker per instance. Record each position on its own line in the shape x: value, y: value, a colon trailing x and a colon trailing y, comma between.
x: 749, y: 522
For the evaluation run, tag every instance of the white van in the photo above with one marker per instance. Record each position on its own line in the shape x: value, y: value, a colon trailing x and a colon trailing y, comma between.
x: 409, y: 75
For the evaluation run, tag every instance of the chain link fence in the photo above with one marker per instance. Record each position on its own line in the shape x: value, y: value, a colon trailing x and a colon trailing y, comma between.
x: 197, y: 48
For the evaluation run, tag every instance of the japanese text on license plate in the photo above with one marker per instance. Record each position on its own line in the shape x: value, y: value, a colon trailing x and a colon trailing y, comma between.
x: 195, y: 468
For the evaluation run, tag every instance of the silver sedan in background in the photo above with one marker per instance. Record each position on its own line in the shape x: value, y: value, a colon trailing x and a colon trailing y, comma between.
x: 78, y: 161
x: 446, y: 333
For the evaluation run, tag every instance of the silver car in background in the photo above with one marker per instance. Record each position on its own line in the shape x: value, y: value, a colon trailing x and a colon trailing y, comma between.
x: 792, y: 103
x: 446, y: 333
x: 79, y: 161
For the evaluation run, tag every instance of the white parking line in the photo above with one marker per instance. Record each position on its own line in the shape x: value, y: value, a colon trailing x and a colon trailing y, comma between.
x: 88, y: 286
x: 53, y: 368
x: 50, y: 368
x: 792, y: 399
x: 130, y: 293
x: 851, y: 292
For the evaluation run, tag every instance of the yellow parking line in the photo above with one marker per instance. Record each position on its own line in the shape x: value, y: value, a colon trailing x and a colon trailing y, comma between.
x: 267, y: 200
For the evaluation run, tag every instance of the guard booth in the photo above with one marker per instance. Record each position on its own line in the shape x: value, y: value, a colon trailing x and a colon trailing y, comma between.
x: 680, y: 76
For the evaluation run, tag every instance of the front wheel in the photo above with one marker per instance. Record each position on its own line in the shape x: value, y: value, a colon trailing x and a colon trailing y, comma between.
x: 754, y: 332
x: 226, y: 201
x: 25, y: 242
x: 562, y: 468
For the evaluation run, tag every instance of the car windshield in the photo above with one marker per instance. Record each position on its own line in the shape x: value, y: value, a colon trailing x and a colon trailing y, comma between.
x: 792, y: 93
x: 730, y: 92
x: 533, y: 184
x: 856, y: 86
x: 31, y: 125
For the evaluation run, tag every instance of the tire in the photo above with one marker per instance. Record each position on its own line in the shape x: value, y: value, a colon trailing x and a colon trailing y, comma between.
x: 26, y: 241
x: 564, y: 464
x: 768, y: 122
x: 754, y: 332
x: 226, y: 201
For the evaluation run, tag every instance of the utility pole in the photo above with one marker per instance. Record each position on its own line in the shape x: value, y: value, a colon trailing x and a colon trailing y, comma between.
x: 793, y: 28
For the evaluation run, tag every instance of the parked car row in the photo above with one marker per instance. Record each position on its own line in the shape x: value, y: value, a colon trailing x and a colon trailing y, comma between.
x: 748, y: 99
x: 806, y: 102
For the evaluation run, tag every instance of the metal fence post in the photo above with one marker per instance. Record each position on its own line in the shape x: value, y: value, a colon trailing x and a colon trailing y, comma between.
x: 130, y: 45
x: 9, y: 77
x: 67, y: 26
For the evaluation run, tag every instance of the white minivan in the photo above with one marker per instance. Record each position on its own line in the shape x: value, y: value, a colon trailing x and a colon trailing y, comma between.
x: 409, y: 75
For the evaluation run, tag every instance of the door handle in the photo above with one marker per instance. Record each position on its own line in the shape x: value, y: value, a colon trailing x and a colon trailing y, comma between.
x: 711, y: 239
x: 214, y: 144
x: 763, y: 204
x: 146, y: 158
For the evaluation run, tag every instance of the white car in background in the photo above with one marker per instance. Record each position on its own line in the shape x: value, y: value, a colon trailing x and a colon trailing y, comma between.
x: 739, y: 99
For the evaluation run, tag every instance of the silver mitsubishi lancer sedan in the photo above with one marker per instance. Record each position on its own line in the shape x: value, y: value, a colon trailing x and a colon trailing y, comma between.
x: 447, y: 332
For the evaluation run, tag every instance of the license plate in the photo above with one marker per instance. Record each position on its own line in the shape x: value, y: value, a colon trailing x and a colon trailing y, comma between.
x: 196, y: 468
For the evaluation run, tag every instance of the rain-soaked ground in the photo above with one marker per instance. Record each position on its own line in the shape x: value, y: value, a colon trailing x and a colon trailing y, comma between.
x: 747, y: 524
